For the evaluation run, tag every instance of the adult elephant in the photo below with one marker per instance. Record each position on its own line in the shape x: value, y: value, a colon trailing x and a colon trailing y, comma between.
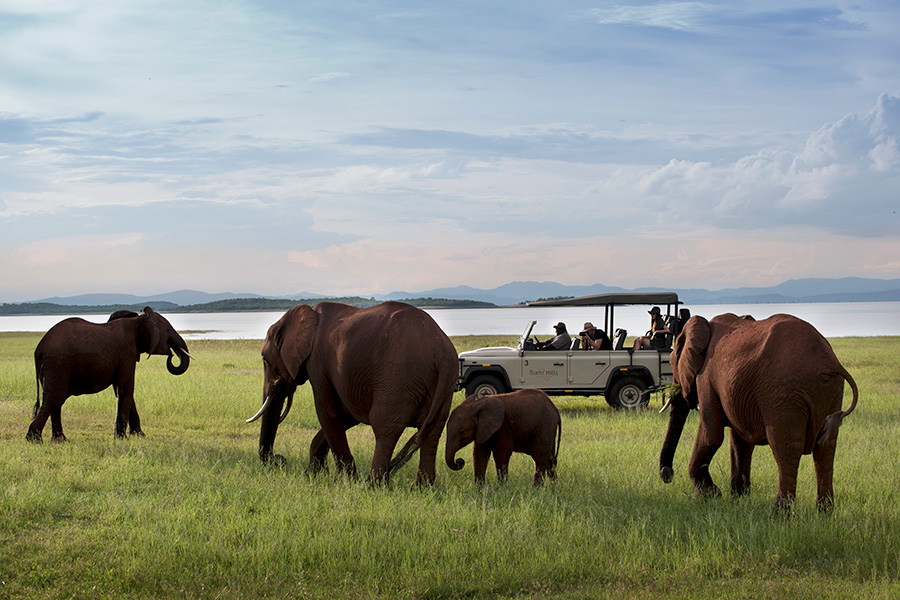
x: 774, y: 382
x: 389, y: 366
x: 79, y: 357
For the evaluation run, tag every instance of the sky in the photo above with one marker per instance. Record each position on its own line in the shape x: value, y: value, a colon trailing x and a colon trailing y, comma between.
x: 359, y: 148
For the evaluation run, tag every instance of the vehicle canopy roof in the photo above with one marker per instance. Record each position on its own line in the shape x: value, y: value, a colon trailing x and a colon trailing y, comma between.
x: 619, y: 299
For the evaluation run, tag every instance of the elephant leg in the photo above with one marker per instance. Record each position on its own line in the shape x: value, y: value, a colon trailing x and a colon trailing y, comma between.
x: 480, y: 457
x: 134, y: 421
x: 709, y: 439
x: 501, y: 462
x: 336, y: 437
x: 823, y: 458
x: 741, y: 458
x: 428, y: 450
x: 542, y: 468
x: 385, y: 442
x: 787, y: 457
x: 56, y: 424
x: 36, y: 428
x: 125, y: 393
x: 318, y: 454
x: 53, y: 396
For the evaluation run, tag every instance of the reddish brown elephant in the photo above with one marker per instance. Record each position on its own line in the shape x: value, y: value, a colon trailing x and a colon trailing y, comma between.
x: 389, y: 366
x: 774, y: 382
x: 79, y: 357
x: 525, y: 421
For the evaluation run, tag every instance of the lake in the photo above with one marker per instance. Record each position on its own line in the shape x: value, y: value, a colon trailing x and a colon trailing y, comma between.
x: 833, y: 319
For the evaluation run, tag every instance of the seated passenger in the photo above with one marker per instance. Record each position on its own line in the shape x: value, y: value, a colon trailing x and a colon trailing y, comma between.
x: 594, y: 339
x: 656, y: 337
x: 561, y: 341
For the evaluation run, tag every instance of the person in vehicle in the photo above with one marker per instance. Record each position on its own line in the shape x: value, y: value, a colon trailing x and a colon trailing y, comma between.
x: 561, y: 341
x: 594, y: 339
x: 656, y: 337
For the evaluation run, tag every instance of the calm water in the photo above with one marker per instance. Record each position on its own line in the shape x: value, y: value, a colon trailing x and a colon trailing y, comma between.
x: 838, y: 319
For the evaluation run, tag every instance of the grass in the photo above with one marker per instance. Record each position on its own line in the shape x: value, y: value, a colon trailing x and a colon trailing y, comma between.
x: 190, y: 512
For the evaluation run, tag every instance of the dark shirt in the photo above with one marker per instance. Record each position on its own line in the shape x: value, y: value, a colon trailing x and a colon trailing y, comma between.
x: 595, y: 335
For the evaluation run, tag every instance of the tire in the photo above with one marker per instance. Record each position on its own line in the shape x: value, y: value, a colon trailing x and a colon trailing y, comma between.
x: 482, y: 385
x: 629, y: 393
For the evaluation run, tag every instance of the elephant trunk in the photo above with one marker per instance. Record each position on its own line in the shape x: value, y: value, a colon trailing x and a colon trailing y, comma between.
x: 454, y: 463
x: 268, y: 429
x: 677, y: 418
x: 184, y: 360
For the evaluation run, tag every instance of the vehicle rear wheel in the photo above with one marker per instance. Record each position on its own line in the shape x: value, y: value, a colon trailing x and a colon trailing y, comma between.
x: 628, y: 393
x: 482, y: 385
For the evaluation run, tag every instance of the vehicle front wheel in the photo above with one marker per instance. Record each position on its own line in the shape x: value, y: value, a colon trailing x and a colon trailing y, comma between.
x: 628, y: 393
x: 482, y: 385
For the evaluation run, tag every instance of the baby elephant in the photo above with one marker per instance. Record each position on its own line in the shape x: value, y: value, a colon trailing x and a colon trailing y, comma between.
x: 525, y: 421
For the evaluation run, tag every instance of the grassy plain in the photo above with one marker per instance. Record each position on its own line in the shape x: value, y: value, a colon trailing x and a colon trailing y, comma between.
x: 189, y: 511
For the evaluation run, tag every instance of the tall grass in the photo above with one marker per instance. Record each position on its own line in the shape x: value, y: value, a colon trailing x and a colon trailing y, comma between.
x: 190, y: 512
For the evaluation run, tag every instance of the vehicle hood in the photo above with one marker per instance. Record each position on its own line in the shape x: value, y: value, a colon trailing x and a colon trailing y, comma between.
x: 481, y: 353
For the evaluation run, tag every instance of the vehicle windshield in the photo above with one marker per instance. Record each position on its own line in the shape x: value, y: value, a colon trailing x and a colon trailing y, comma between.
x: 525, y: 335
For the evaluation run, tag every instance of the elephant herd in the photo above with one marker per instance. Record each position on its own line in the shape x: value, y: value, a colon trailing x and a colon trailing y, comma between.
x: 774, y: 382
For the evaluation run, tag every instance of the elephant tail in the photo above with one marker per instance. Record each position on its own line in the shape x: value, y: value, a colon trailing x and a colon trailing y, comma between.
x: 853, y: 387
x: 558, y: 439
x: 37, y: 378
x: 404, y: 455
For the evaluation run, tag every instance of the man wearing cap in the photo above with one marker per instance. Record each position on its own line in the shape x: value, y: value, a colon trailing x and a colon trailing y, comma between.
x: 561, y: 341
x: 656, y: 337
x: 594, y: 339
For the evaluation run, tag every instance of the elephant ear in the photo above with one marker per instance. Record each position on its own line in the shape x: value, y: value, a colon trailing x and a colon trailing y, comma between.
x: 690, y: 352
x: 489, y: 419
x: 149, y: 333
x: 289, y: 342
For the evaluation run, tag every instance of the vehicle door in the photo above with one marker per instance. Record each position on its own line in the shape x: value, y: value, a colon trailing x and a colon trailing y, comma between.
x: 587, y: 368
x: 545, y: 369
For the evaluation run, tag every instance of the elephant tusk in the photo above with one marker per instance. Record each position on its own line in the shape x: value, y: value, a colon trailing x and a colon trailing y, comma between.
x: 287, y: 409
x: 261, y: 410
x: 666, y: 405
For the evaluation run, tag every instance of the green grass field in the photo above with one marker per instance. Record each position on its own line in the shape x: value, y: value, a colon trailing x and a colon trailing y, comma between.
x: 190, y: 512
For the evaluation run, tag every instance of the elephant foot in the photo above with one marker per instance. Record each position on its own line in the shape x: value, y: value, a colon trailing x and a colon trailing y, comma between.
x: 825, y: 506
x: 316, y: 465
x: 34, y: 437
x: 59, y: 438
x: 275, y: 460
x: 784, y: 507
x: 137, y: 433
x: 666, y: 474
x: 708, y: 491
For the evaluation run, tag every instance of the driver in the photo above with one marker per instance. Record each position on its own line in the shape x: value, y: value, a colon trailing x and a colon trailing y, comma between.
x: 561, y: 341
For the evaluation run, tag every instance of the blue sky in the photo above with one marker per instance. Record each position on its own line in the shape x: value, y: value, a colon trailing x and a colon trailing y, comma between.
x: 361, y: 148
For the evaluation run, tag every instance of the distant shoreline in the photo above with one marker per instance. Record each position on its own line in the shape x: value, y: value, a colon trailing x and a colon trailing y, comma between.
x: 249, y: 305
x: 221, y: 306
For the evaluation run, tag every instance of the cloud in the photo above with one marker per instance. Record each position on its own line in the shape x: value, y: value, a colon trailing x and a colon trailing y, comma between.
x: 326, y: 77
x: 705, y: 17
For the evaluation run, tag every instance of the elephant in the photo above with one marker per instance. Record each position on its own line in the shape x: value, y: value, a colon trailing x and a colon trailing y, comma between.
x: 774, y: 382
x: 524, y: 421
x: 77, y: 357
x: 389, y: 366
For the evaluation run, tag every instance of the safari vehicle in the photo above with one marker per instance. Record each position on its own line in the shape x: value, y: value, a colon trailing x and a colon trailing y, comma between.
x: 623, y: 375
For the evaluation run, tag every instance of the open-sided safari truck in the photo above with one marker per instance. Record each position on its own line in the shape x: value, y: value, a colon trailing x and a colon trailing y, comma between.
x: 623, y: 375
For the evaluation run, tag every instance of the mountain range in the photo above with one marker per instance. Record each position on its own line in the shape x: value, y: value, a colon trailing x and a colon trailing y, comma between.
x: 847, y: 289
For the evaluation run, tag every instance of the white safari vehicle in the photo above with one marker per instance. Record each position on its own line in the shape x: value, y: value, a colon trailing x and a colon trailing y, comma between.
x: 623, y: 375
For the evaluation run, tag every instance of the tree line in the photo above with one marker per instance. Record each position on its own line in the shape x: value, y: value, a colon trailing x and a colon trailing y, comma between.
x: 232, y: 305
